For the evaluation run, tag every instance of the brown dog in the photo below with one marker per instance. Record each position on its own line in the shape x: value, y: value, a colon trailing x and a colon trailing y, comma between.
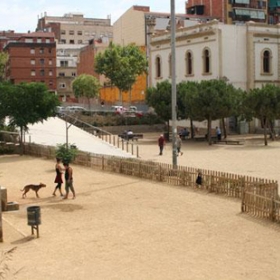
x: 35, y: 188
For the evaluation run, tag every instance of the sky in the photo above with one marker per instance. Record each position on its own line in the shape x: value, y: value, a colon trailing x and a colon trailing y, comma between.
x: 22, y: 15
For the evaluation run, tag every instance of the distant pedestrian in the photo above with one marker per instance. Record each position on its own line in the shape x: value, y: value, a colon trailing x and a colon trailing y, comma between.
x: 198, y: 180
x: 161, y: 143
x: 218, y: 133
x: 68, y: 180
x: 58, y: 178
x: 179, y: 145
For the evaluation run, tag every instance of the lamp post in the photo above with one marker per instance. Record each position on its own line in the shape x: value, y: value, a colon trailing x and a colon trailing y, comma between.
x: 173, y: 76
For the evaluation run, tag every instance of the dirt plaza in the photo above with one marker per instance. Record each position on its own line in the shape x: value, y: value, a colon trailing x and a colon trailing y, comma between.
x: 121, y: 227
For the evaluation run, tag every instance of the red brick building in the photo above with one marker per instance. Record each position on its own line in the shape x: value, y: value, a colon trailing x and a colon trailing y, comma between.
x: 229, y: 12
x: 32, y: 58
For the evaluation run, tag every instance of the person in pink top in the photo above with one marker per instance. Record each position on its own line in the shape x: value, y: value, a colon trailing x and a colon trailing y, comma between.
x: 161, y: 143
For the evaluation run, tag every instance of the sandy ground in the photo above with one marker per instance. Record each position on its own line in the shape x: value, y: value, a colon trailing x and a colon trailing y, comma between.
x: 120, y: 227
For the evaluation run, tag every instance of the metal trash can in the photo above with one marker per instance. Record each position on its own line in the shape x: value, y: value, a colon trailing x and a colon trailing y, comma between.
x: 33, y: 215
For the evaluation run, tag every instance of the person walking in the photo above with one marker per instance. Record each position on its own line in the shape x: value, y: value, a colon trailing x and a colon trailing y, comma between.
x: 179, y: 145
x: 68, y: 180
x: 218, y: 133
x: 58, y: 178
x: 161, y: 143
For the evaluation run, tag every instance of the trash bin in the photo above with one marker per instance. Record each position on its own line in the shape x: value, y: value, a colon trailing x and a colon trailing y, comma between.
x: 33, y: 215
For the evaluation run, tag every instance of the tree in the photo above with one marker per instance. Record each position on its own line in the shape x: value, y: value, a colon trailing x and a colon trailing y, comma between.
x: 86, y: 86
x: 264, y: 104
x: 159, y: 98
x: 27, y: 103
x: 121, y: 65
x: 3, y: 60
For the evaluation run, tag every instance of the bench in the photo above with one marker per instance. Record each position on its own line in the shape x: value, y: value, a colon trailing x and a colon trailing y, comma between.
x: 229, y: 142
x: 134, y: 136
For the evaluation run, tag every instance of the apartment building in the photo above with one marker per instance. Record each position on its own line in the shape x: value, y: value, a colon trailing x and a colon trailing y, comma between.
x: 74, y: 28
x: 230, y: 11
x: 32, y: 58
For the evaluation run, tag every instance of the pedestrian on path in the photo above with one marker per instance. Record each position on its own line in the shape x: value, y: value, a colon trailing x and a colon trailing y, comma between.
x: 218, y: 133
x: 161, y: 143
x: 68, y: 180
x: 179, y: 145
x: 58, y: 178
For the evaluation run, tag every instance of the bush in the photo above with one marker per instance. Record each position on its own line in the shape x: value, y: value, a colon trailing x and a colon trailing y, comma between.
x: 66, y: 154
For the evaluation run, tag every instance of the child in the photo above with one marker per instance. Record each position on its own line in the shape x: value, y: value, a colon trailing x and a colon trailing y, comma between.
x: 199, y: 179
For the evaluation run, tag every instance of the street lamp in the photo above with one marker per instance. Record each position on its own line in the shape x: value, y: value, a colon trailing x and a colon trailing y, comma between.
x: 173, y: 76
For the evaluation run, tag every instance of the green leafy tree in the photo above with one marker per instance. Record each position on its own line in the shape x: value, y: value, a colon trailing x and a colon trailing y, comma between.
x: 65, y: 153
x: 263, y: 104
x: 27, y: 103
x: 159, y: 98
x: 3, y: 60
x: 86, y: 86
x: 121, y: 65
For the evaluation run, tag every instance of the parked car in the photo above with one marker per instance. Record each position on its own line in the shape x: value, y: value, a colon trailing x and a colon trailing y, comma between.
x: 74, y: 109
x: 60, y: 110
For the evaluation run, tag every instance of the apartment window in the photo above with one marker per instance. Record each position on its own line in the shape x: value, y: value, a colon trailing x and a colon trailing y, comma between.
x: 48, y: 40
x: 50, y: 83
x: 86, y: 33
x: 28, y: 40
x: 266, y: 62
x: 42, y: 61
x: 32, y: 61
x: 71, y: 42
x: 62, y: 85
x: 42, y: 72
x: 80, y: 33
x: 32, y: 51
x: 158, y: 67
x: 64, y: 63
x: 80, y: 41
x: 33, y: 73
x: 50, y: 50
x: 61, y: 74
x: 41, y: 51
x: 63, y: 41
x: 206, y: 61
x: 50, y: 72
x: 189, y: 63
x: 39, y: 40
x: 62, y: 32
x: 50, y: 62
x: 71, y: 32
x: 73, y: 74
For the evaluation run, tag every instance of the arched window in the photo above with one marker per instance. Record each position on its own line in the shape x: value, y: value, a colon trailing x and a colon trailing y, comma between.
x: 158, y: 67
x: 206, y: 61
x: 266, y: 61
x: 189, y: 63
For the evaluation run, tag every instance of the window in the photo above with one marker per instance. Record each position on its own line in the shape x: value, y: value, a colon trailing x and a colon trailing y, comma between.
x: 32, y: 61
x: 158, y: 67
x: 189, y: 63
x: 42, y: 72
x: 39, y: 40
x: 206, y: 61
x: 61, y: 74
x: 71, y: 42
x: 62, y: 85
x: 33, y: 73
x: 50, y: 62
x: 64, y: 63
x: 48, y: 40
x: 63, y: 41
x: 32, y: 51
x: 80, y: 33
x: 42, y: 61
x: 50, y: 83
x: 28, y: 40
x: 73, y: 74
x: 41, y: 50
x: 71, y: 32
x: 50, y: 50
x: 50, y: 73
x: 80, y: 41
x: 266, y: 62
x: 62, y: 32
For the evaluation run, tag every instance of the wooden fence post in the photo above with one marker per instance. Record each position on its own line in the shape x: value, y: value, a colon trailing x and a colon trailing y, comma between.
x: 242, y: 196
x: 273, y: 209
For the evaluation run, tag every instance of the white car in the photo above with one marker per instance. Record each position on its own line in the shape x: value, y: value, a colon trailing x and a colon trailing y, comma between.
x: 74, y: 109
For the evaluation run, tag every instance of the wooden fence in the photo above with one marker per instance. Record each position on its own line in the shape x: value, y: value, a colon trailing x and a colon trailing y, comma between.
x: 259, y: 197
